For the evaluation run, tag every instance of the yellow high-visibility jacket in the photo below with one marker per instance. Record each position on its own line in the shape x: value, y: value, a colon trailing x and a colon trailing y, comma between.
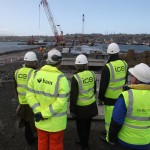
x: 22, y: 77
x: 48, y: 93
x: 86, y: 80
x: 136, y: 127
x: 118, y: 70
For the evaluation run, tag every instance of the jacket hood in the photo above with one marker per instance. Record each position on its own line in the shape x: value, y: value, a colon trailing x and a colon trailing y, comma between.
x: 50, y: 69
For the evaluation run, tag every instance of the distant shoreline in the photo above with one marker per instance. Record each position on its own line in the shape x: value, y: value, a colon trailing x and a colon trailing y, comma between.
x: 30, y: 49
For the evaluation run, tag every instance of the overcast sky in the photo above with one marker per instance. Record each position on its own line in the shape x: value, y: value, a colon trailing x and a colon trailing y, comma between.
x: 21, y: 17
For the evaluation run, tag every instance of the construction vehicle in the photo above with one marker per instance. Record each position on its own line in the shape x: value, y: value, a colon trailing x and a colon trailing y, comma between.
x: 59, y: 37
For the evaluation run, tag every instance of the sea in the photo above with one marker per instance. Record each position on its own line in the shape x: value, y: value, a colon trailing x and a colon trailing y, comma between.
x: 12, y: 46
x: 125, y: 48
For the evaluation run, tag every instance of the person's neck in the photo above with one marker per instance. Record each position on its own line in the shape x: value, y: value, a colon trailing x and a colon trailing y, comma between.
x: 28, y: 66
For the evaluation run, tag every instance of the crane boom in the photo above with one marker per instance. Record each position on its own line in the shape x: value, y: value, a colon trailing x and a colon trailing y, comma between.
x: 59, y: 39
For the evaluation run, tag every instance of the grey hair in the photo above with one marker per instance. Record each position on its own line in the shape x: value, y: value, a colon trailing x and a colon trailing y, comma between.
x: 52, y: 64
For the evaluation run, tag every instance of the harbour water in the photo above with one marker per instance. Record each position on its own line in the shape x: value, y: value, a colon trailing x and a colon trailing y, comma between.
x: 125, y: 48
x: 12, y: 46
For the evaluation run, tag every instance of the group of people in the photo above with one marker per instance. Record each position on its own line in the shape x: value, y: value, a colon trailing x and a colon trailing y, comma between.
x: 42, y: 49
x: 44, y: 94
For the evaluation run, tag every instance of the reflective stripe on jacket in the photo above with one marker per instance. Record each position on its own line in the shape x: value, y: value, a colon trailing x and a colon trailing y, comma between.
x: 48, y: 93
x: 136, y: 127
x: 22, y: 77
x: 86, y: 81
x: 118, y: 70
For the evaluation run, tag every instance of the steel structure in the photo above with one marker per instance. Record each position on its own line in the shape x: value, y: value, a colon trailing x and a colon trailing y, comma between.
x: 59, y: 38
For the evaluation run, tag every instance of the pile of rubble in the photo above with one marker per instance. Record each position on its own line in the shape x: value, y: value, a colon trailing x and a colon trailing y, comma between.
x: 133, y: 58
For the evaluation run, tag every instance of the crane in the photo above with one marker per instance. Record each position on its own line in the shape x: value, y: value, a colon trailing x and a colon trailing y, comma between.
x: 59, y: 38
x: 61, y: 34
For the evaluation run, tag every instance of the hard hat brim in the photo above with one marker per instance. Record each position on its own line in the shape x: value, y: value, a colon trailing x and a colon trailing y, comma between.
x: 132, y: 71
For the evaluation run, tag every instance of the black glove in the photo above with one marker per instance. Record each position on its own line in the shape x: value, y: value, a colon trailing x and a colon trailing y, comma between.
x: 38, y: 116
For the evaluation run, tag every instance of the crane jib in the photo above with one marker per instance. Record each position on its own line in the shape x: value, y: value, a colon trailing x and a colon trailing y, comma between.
x: 59, y: 37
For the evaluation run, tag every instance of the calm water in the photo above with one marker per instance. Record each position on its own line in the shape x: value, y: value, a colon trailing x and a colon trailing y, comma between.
x: 11, y: 46
x: 137, y: 48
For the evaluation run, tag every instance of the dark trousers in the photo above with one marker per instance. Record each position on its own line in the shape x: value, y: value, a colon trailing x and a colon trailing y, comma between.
x: 83, y: 129
x: 26, y: 115
x: 29, y: 132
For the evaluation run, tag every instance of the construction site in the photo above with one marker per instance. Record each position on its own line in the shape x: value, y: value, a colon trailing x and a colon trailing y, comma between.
x: 11, y: 136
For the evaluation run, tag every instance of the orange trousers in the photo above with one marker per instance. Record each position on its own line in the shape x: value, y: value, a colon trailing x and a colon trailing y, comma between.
x: 50, y: 140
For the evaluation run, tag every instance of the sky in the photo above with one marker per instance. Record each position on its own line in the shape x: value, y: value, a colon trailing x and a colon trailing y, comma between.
x: 25, y: 18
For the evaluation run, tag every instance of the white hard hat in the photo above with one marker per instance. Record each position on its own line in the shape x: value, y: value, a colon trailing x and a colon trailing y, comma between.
x: 54, y: 56
x: 30, y: 56
x: 113, y: 48
x: 141, y: 72
x: 81, y: 59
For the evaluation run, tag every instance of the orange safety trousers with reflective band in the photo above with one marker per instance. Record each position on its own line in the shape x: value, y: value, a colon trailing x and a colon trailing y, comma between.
x: 50, y: 140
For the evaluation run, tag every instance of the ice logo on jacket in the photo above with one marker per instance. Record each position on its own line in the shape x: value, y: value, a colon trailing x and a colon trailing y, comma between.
x: 120, y: 69
x: 22, y: 76
x: 44, y: 81
x: 87, y: 80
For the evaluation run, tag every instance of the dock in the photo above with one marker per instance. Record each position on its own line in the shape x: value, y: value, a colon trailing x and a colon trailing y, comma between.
x: 92, y: 62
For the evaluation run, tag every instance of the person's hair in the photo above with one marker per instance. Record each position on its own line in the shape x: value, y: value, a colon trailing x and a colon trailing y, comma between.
x: 78, y: 67
x: 54, y: 65
x: 30, y: 63
x: 113, y: 57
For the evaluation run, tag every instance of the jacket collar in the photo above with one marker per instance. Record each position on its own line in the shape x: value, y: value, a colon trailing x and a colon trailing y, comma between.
x: 50, y: 69
x: 113, y: 57
x: 80, y: 70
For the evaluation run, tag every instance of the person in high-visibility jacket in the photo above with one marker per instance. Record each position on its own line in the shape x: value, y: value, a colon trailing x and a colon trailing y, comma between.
x: 41, y: 49
x: 24, y: 112
x: 47, y: 94
x: 130, y: 125
x: 83, y: 99
x: 113, y: 78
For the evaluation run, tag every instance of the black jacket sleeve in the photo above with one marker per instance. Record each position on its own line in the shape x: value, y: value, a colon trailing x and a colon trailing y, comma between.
x: 15, y: 85
x: 95, y: 87
x: 73, y: 95
x: 126, y: 82
x: 104, y: 82
x: 113, y: 131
